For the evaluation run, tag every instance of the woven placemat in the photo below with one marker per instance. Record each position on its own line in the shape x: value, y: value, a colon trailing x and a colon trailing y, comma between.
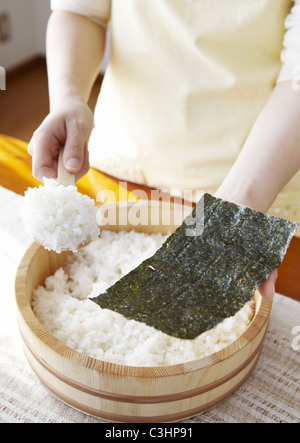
x: 270, y: 395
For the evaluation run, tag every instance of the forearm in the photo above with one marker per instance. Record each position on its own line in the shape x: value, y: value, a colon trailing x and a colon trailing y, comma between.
x: 75, y: 49
x: 271, y: 154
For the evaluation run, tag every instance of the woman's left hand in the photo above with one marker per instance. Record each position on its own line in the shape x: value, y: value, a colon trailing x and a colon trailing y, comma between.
x: 267, y: 288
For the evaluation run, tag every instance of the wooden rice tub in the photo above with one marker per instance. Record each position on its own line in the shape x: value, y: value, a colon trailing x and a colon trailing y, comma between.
x: 123, y: 394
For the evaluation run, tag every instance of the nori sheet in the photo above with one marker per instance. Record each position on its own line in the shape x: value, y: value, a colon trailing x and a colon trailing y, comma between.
x: 193, y: 283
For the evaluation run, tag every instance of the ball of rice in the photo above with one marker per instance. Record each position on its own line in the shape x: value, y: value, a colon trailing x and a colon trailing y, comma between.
x: 59, y: 217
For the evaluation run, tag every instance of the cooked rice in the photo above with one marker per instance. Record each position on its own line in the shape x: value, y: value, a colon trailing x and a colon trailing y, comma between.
x: 58, y: 217
x: 64, y: 308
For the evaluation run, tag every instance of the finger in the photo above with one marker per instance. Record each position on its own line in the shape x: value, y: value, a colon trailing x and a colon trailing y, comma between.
x: 86, y: 164
x: 30, y: 147
x: 267, y: 288
x: 44, y: 159
x: 74, y: 150
x: 44, y: 147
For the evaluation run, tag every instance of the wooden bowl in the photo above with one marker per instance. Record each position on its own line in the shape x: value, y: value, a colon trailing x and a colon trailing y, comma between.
x: 120, y: 393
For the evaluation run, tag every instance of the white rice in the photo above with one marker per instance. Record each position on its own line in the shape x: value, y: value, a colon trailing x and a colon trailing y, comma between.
x: 64, y: 308
x: 58, y: 217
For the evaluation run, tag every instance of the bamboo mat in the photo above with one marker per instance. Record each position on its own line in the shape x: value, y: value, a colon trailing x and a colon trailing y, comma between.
x: 270, y: 395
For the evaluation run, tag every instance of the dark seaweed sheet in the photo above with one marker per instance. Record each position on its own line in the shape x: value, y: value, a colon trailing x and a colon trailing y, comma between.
x: 194, y: 282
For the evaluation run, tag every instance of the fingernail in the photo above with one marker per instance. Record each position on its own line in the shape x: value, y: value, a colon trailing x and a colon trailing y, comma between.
x: 73, y: 163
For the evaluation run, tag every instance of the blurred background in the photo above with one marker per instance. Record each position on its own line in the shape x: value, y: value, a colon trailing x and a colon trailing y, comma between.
x: 24, y: 104
x: 22, y: 53
x: 22, y: 30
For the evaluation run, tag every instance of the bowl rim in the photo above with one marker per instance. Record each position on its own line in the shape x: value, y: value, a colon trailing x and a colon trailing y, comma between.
x: 261, y: 318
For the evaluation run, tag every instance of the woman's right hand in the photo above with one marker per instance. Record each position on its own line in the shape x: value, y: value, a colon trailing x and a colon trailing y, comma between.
x: 69, y: 126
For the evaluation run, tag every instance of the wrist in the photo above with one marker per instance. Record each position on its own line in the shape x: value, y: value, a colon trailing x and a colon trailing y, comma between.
x: 64, y: 96
x: 244, y: 196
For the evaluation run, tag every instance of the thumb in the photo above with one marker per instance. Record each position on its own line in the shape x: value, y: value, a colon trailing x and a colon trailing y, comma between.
x: 73, y: 157
x: 267, y: 289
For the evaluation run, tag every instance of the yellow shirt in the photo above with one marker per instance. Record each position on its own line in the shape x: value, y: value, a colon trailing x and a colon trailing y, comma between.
x: 185, y: 83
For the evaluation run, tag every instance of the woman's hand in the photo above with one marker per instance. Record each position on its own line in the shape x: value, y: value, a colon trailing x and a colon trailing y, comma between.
x: 267, y: 288
x: 70, y: 127
x: 75, y: 49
